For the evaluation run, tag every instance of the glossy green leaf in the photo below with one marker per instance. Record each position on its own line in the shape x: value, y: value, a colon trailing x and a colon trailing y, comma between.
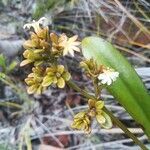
x: 128, y: 89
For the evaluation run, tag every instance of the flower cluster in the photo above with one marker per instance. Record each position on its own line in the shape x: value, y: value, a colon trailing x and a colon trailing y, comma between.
x: 83, y: 120
x: 34, y: 80
x: 57, y: 75
x: 95, y: 110
x: 43, y: 50
x: 91, y: 68
x: 41, y: 78
x: 101, y: 73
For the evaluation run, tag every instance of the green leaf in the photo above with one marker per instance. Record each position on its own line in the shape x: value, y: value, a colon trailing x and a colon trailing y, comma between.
x: 12, y: 66
x: 128, y: 89
x: 2, y: 61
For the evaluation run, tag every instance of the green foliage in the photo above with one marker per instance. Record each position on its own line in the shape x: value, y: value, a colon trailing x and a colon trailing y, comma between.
x: 4, y: 147
x: 128, y: 89
x: 5, y: 68
x: 12, y: 66
x: 2, y: 61
x: 43, y: 6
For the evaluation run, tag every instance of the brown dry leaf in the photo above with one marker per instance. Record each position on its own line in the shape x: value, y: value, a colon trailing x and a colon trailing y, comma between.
x: 64, y: 139
x: 73, y: 100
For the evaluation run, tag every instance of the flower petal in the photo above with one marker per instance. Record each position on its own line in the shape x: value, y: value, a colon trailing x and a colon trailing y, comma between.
x: 31, y: 89
x: 80, y: 115
x: 108, y: 122
x: 60, y: 82
x: 54, y: 38
x: 66, y: 76
x: 75, y: 48
x: 43, y: 21
x: 39, y: 90
x: 108, y: 76
x: 71, y: 52
x: 72, y: 39
x: 109, y: 81
x: 60, y: 69
x: 99, y: 105
x: 47, y: 81
x: 25, y: 62
x: 91, y: 103
x: 65, y: 51
x: 76, y: 43
x: 100, y: 118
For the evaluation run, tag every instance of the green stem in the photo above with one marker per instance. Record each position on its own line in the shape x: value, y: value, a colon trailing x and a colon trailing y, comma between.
x: 124, y: 128
x: 96, y: 88
x: 115, y: 119
x: 78, y: 89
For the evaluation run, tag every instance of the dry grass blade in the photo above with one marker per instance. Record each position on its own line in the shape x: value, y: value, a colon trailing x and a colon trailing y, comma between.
x: 48, y: 130
x: 10, y: 104
x: 133, y: 53
x: 139, y: 44
x: 141, y: 11
x: 137, y: 23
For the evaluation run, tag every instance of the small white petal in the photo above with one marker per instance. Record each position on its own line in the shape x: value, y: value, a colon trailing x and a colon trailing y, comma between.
x: 114, y: 75
x: 43, y: 21
x: 71, y: 52
x: 108, y: 76
x: 72, y: 39
x: 76, y: 43
x: 104, y: 81
x: 36, y: 24
x: 101, y: 76
x: 65, y: 52
x: 109, y: 81
x: 75, y: 48
x: 69, y: 44
x: 27, y: 26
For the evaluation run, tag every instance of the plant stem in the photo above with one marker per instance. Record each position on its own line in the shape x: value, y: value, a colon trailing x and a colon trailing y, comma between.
x: 96, y: 88
x: 78, y: 89
x: 124, y: 128
x: 115, y: 119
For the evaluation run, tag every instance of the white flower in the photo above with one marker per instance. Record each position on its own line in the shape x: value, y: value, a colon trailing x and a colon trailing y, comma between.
x: 69, y: 44
x: 108, y: 76
x: 36, y: 24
